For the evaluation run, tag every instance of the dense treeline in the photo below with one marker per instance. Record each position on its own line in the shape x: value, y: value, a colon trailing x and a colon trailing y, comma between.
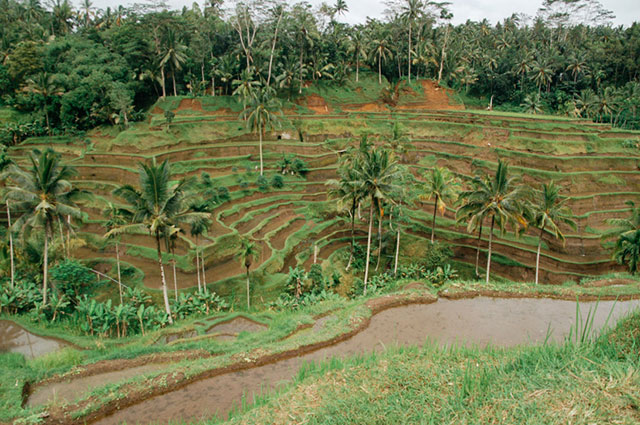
x: 78, y: 68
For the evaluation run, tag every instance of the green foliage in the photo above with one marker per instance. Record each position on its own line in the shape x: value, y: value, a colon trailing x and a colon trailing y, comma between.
x: 169, y: 115
x: 291, y: 164
x: 277, y: 182
x: 24, y: 297
x: 72, y: 278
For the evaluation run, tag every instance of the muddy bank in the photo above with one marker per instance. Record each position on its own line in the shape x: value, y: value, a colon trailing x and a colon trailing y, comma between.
x: 16, y: 339
x: 480, y: 320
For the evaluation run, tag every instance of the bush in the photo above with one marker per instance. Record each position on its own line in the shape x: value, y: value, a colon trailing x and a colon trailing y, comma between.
x: 277, y: 182
x: 72, y: 278
x: 262, y: 183
x: 438, y: 255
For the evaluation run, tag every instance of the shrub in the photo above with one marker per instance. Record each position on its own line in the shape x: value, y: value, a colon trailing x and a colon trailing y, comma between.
x: 169, y: 116
x: 262, y: 183
x: 72, y: 278
x: 277, y: 182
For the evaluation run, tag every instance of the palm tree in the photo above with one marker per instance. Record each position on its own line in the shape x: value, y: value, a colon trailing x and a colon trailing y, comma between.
x: 542, y: 74
x: 347, y: 192
x: 173, y: 53
x: 41, y: 191
x: 498, y: 198
x: 410, y: 10
x: 4, y: 163
x: 44, y: 85
x: 248, y: 253
x: 377, y: 177
x: 532, y: 104
x: 261, y: 114
x: 356, y: 47
x: 380, y: 49
x: 341, y: 7
x: 156, y: 206
x: 198, y: 228
x: 116, y: 217
x: 246, y: 86
x: 549, y: 211
x: 471, y: 205
x: 627, y: 232
x: 444, y: 187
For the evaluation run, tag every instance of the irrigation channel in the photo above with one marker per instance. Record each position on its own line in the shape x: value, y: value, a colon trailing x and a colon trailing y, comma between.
x: 476, y: 321
x: 15, y: 339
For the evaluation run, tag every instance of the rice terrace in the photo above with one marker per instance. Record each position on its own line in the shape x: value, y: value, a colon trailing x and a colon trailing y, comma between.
x: 256, y: 212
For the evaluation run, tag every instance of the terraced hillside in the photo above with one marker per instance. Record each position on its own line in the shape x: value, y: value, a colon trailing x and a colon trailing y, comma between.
x: 598, y: 169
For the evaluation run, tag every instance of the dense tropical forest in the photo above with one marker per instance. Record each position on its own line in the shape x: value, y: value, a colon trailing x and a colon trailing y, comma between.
x: 76, y: 68
x: 200, y: 204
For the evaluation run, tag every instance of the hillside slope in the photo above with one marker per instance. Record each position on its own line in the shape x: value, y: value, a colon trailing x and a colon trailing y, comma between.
x: 598, y: 172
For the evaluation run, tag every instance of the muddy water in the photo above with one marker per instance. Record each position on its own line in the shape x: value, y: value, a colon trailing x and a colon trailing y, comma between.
x: 481, y: 321
x: 15, y: 339
x: 68, y: 391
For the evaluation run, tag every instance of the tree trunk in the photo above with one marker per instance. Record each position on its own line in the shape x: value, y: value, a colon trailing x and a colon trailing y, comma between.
x: 273, y: 48
x: 357, y: 68
x: 165, y: 294
x: 248, y: 300
x: 379, y: 238
x: 366, y: 266
x: 175, y: 277
x: 478, y: 249
x: 379, y: 68
x: 118, y: 268
x: 538, y: 254
x: 433, y: 226
x: 198, y: 265
x: 202, y: 72
x: 10, y: 245
x: 164, y: 89
x: 204, y: 278
x: 443, y: 54
x: 45, y: 268
x: 409, y: 73
x: 301, y: 56
x: 395, y: 268
x: 173, y: 78
x: 261, y: 164
x: 353, y: 227
x: 213, y: 86
x: 46, y: 117
x: 68, y: 236
x: 489, y: 252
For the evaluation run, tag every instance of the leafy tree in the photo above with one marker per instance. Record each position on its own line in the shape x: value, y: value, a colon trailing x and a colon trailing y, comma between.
x: 549, y: 211
x: 44, y: 85
x: 248, y: 252
x: 156, y: 205
x: 499, y: 198
x: 262, y: 114
x: 444, y: 187
x: 42, y: 191
x: 627, y: 233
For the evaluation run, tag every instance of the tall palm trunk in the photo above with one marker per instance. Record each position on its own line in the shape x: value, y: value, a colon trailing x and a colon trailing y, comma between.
x: 173, y: 78
x: 10, y: 244
x: 301, y: 57
x: 366, y: 266
x: 489, y: 252
x: 395, y: 267
x: 379, y: 238
x: 198, y: 265
x: 433, y: 226
x: 273, y: 48
x: 175, y: 277
x: 165, y: 294
x: 204, y: 278
x: 409, y: 73
x: 357, y: 68
x: 248, y: 299
x: 353, y: 226
x: 45, y: 267
x: 379, y: 68
x: 478, y: 249
x: 538, y: 253
x: 164, y: 89
x: 443, y: 55
x: 261, y: 164
x: 118, y: 268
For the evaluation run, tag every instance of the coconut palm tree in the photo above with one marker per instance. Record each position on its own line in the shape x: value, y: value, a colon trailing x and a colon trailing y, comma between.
x: 347, y: 192
x: 627, y: 232
x: 470, y: 206
x: 444, y: 187
x: 245, y: 86
x: 378, y: 178
x: 44, y: 85
x: 116, y: 217
x: 379, y: 48
x: 357, y: 48
x: 499, y: 198
x: 174, y: 53
x: 549, y: 210
x: 410, y: 10
x: 341, y: 7
x: 158, y: 204
x: 41, y: 192
x: 262, y: 113
x: 248, y: 253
